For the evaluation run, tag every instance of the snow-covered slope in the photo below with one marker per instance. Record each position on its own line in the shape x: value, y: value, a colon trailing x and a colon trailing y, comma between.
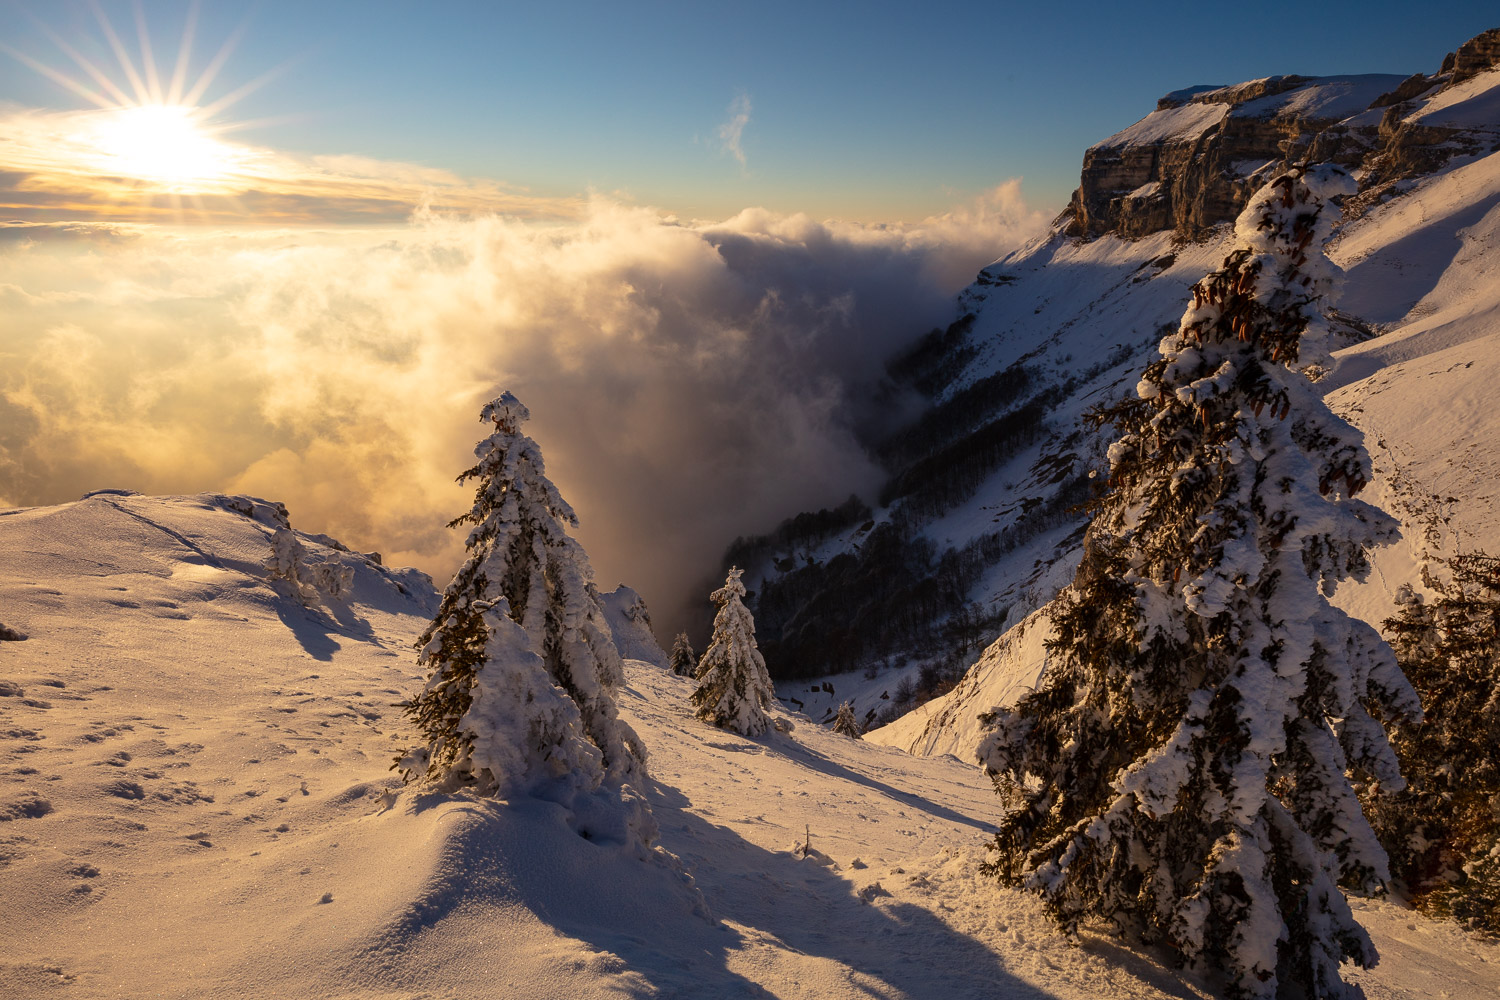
x: 1065, y: 324
x: 195, y: 801
x: 1423, y: 271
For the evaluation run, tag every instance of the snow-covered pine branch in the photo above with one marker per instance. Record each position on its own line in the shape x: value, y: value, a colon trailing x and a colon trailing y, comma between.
x: 734, y: 689
x: 519, y: 733
x: 1181, y: 771
x: 522, y: 561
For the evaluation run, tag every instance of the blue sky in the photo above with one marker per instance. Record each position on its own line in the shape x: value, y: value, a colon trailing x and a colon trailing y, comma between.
x: 869, y: 111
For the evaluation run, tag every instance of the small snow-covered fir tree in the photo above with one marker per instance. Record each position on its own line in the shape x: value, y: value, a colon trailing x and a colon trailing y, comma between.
x: 522, y: 563
x: 1181, y: 771
x: 844, y: 723
x: 288, y: 561
x: 683, y: 661
x: 333, y: 577
x: 734, y: 689
x: 1443, y: 830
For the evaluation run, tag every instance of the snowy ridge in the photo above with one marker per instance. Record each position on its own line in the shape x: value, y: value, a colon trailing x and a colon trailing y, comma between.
x: 956, y: 722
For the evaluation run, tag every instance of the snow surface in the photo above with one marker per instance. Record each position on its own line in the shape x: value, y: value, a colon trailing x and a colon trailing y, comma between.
x: 1331, y: 98
x: 195, y: 800
x: 956, y: 722
x: 1473, y: 105
x: 1168, y: 124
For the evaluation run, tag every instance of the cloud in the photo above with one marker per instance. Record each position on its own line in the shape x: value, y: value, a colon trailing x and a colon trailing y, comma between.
x: 17, y: 231
x: 732, y: 131
x: 52, y: 167
x: 688, y: 383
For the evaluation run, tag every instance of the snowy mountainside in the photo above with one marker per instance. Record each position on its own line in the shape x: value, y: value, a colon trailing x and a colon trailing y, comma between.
x: 1066, y: 323
x: 195, y: 799
x: 1423, y: 274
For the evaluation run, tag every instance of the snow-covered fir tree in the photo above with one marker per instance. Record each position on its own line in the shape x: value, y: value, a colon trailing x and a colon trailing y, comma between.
x: 683, y: 660
x: 1443, y: 830
x: 844, y: 723
x: 519, y: 732
x: 734, y: 689
x: 288, y: 562
x: 1181, y: 771
x: 333, y: 577
x: 521, y: 563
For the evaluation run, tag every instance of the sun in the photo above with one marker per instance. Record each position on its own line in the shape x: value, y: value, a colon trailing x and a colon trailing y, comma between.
x: 149, y: 134
x: 164, y: 144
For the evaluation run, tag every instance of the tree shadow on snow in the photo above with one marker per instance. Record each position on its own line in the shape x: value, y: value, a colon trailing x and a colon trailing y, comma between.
x: 886, y: 948
x: 824, y: 765
x: 640, y: 931
x: 314, y: 628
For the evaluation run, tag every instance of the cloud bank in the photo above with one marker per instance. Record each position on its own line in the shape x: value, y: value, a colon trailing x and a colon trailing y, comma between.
x: 688, y: 383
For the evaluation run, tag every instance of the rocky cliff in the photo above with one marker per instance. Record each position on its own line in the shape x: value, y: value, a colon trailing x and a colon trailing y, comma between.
x: 1193, y: 162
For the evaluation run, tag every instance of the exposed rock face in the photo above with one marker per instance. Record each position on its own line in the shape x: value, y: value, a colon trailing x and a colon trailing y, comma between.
x: 1194, y: 162
x: 1480, y: 53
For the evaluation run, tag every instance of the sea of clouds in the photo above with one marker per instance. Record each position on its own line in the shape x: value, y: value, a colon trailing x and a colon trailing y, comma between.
x: 689, y: 382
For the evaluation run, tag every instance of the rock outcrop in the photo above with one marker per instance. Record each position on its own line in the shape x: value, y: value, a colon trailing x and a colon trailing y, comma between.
x: 1194, y: 161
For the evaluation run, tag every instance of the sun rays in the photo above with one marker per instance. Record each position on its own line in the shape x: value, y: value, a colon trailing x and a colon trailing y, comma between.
x: 150, y: 146
x: 149, y: 141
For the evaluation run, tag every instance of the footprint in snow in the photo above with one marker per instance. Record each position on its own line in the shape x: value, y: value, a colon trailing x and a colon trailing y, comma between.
x: 27, y: 805
x: 125, y: 789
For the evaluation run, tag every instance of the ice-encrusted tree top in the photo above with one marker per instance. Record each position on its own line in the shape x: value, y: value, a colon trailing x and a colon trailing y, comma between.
x: 1182, y: 769
x: 734, y: 689
x: 523, y: 561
